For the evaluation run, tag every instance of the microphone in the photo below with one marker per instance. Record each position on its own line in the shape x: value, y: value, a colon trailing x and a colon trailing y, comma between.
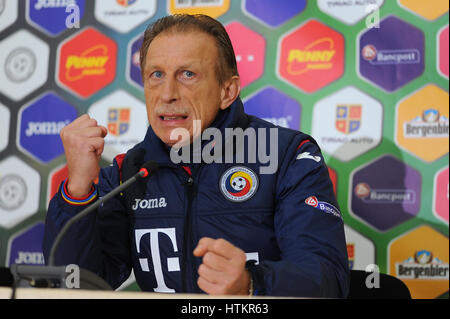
x: 6, y: 278
x: 147, y: 169
x: 51, y: 276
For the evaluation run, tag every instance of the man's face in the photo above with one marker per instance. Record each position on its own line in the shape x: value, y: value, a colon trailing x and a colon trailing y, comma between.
x: 180, y: 83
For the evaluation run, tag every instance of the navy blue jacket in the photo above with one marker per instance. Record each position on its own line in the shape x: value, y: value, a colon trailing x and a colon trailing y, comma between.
x: 288, y: 223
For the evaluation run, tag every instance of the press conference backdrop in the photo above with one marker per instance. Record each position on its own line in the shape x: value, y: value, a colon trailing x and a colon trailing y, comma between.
x: 370, y: 85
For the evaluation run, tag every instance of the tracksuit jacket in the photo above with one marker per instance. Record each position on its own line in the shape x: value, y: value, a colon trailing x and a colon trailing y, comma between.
x: 288, y: 223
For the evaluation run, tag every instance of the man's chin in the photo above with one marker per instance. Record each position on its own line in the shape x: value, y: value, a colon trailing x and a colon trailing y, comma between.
x: 177, y: 143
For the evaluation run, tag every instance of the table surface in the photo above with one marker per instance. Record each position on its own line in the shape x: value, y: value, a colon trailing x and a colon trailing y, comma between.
x: 44, y: 293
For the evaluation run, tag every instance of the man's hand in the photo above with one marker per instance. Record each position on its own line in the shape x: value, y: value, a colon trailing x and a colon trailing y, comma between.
x: 223, y: 269
x: 83, y: 142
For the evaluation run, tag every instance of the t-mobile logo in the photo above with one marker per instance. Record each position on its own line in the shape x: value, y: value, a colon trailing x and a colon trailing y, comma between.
x: 173, y: 263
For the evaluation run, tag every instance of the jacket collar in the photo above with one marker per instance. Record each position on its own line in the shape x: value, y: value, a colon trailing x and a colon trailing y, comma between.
x: 232, y: 117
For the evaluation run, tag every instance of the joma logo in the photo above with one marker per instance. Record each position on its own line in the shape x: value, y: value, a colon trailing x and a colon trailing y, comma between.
x: 149, y: 203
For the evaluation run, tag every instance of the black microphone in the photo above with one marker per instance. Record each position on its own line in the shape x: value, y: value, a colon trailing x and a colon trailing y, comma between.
x: 55, y: 277
x: 146, y: 170
x: 6, y: 278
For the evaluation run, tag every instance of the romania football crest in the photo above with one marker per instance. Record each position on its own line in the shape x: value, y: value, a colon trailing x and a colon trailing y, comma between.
x: 238, y: 184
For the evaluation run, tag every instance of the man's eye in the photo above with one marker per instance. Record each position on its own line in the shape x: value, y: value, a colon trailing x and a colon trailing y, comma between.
x: 156, y: 74
x: 188, y: 74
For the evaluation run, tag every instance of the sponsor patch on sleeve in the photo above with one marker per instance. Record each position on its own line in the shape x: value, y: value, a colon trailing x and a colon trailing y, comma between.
x: 323, y: 206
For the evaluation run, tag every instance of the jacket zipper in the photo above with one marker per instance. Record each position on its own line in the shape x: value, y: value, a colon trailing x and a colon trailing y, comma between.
x: 187, y: 242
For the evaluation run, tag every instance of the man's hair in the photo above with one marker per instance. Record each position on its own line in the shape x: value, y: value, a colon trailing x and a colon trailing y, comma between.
x: 226, y: 66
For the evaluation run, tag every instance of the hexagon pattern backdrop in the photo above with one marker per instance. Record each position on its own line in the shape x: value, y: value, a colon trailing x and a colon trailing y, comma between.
x: 368, y: 79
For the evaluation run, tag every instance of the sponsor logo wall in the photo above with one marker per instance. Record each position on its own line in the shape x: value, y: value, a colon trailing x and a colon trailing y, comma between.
x: 367, y: 79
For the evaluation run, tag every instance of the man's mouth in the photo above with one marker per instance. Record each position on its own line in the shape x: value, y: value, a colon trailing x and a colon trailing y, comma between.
x: 173, y: 117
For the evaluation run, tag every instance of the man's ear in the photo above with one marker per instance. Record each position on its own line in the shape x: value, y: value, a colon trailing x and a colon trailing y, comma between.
x: 231, y: 89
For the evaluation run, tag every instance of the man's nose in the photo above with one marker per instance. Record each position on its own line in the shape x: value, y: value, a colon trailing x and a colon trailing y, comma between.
x: 170, y: 91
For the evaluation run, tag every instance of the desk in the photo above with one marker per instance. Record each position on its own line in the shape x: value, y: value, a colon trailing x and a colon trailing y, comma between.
x: 44, y: 293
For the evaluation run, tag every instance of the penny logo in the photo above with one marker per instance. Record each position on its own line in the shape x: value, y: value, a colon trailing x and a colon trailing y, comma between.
x: 313, y: 57
x: 87, y: 62
x: 90, y: 62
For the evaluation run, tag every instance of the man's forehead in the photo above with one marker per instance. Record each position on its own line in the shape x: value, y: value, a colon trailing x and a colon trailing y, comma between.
x: 192, y: 47
x: 192, y: 44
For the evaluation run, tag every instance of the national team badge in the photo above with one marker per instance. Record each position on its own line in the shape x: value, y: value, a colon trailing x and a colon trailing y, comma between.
x: 239, y: 184
x: 348, y: 118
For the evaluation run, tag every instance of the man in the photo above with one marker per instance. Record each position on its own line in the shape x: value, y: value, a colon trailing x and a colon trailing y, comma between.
x: 198, y: 226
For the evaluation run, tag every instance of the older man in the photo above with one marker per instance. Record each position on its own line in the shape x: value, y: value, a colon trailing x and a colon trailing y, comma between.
x: 221, y: 226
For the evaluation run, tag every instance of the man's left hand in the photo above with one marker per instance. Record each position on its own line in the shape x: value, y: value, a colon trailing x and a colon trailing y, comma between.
x: 223, y: 269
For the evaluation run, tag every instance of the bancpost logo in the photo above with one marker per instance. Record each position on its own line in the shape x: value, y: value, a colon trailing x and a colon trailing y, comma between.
x: 384, y: 196
x: 285, y: 114
x: 212, y: 8
x: 420, y: 258
x: 348, y: 123
x: 87, y: 62
x: 422, y: 123
x: 388, y: 58
x: 126, y: 119
x: 385, y: 193
x: 311, y: 56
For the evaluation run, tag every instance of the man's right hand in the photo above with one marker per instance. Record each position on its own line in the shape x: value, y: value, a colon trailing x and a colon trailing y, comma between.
x: 83, y: 141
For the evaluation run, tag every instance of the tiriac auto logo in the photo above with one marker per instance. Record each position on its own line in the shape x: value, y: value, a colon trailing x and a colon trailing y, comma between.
x: 311, y: 56
x: 87, y: 62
